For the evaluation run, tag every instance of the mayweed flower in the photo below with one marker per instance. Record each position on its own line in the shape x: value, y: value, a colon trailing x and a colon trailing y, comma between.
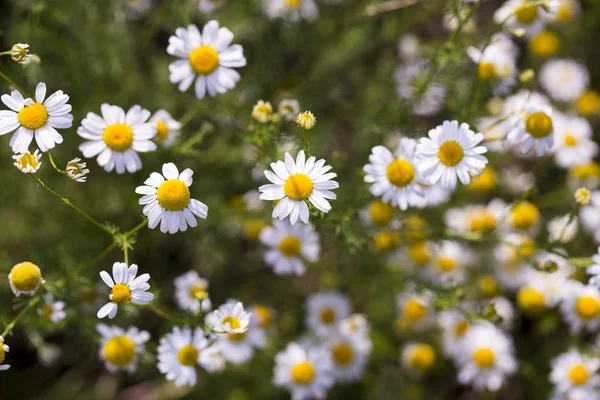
x: 582, y: 196
x: 25, y: 278
x: 395, y: 177
x: 496, y: 63
x: 120, y: 349
x: 208, y: 6
x: 262, y: 111
x: 20, y: 53
x: 289, y: 109
x: 37, y: 118
x: 207, y: 58
x: 307, y: 372
x: 449, y: 152
x: 229, y: 318
x: 76, y: 170
x: 418, y: 358
x: 292, y: 10
x: 295, y: 182
x: 449, y: 263
x: 180, y: 351
x: 520, y: 15
x: 454, y: 325
x: 262, y: 316
x: 564, y: 79
x: 167, y: 128
x: 166, y: 199
x: 573, y: 142
x: 116, y: 137
x: 53, y: 311
x: 574, y: 370
x: 544, y: 44
x: 566, y: 10
x: 325, y: 310
x: 289, y: 245
x: 28, y: 163
x: 125, y: 288
x: 475, y: 218
x: 191, y: 292
x: 588, y: 104
x: 306, y: 120
x: 581, y: 307
x: 350, y: 354
x: 3, y: 350
x: 415, y: 310
x: 524, y: 216
x: 533, y: 128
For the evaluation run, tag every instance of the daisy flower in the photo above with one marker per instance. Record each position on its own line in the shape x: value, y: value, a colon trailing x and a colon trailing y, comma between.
x: 564, y: 79
x: 25, y: 278
x: 191, y: 292
x: 475, y: 218
x: 293, y: 183
x: 28, y: 163
x: 562, y: 229
x: 584, y: 175
x: 208, y: 6
x: 167, y: 128
x: 125, y: 288
x: 573, y: 142
x: 518, y: 14
x: 207, y: 58
x: 53, y: 311
x: 415, y: 309
x: 349, y: 354
x: 288, y: 246
x: 409, y: 77
x: 379, y: 215
x: 262, y: 316
x: 567, y: 10
x: 588, y: 104
x: 116, y: 137
x: 120, y: 349
x: 449, y: 263
x: 262, y: 111
x: 76, y: 170
x: 581, y: 307
x: 166, y: 199
x: 292, y: 10
x: 417, y: 358
x: 180, y: 351
x: 486, y: 357
x: 357, y: 325
x: 454, y: 325
x: 543, y: 290
x: 590, y: 216
x: 525, y: 217
x: 325, y: 310
x: 417, y: 256
x: 37, y: 118
x: 307, y: 372
x: 496, y: 63
x: 511, y: 259
x: 395, y: 177
x: 449, y: 152
x: 574, y: 370
x: 533, y: 128
x: 3, y: 350
x: 545, y: 43
x: 229, y: 318
x: 289, y: 109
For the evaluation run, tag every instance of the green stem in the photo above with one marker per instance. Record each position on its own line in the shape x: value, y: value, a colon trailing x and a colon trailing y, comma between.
x: 29, y: 306
x: 306, y: 144
x: 5, y: 53
x: 136, y: 229
x: 11, y: 83
x: 125, y: 250
x: 54, y: 165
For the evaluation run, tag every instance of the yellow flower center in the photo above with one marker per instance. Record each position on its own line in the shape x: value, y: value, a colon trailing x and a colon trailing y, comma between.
x: 526, y: 15
x: 385, y: 241
x: 446, y: 264
x: 119, y: 350
x: 423, y: 357
x: 204, y: 60
x: 587, y: 307
x: 527, y: 248
x: 298, y: 187
x: 327, y: 315
x: 579, y: 375
x: 198, y: 291
x: 293, y: 3
x: 162, y: 131
x: 419, y: 253
x: 33, y: 117
x: 381, y: 213
x: 121, y: 293
x: 118, y: 137
x: 485, y: 182
x: 488, y: 286
x: 451, y: 153
x: 400, y: 173
x: 188, y: 355
x: 237, y: 337
x: 290, y: 246
x: 47, y: 311
x: 486, y: 71
x: 28, y: 159
x: 414, y: 311
x: 484, y: 357
x: 530, y: 300
x: 570, y: 141
x: 482, y: 221
x: 303, y: 373
x: 544, y: 44
x: 265, y: 316
x: 588, y: 103
x: 525, y: 216
x: 253, y: 228
x: 25, y: 276
x: 415, y: 227
x: 234, y: 323
x: 342, y: 354
x: 2, y: 353
x: 586, y: 171
x: 538, y: 125
x: 461, y: 328
x: 173, y: 195
x: 565, y: 12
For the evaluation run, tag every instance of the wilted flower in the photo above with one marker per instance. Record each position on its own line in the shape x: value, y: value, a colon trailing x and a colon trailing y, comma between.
x: 77, y: 170
x: 20, y: 53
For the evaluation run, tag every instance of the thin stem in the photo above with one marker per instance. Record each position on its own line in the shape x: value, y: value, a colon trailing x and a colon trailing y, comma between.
x: 74, y: 207
x: 125, y: 250
x: 5, y: 53
x: 136, y: 229
x: 306, y: 144
x: 30, y: 305
x: 388, y: 6
x: 11, y: 83
x: 54, y: 165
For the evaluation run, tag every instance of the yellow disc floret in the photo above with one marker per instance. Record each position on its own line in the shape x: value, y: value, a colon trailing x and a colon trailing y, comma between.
x: 414, y: 311
x: 198, y: 291
x: 526, y: 14
x: 422, y: 357
x: 544, y: 44
x: 118, y: 137
x: 461, y: 328
x: 298, y: 187
x: 290, y: 246
x: 381, y: 213
x: 265, y: 315
x: 25, y: 277
x: 481, y: 221
x: 400, y: 173
x: 539, y: 125
x: 484, y: 182
x: 204, y: 60
x: 451, y: 153
x: 120, y: 293
x: 253, y: 228
x: 174, y: 195
x: 342, y: 354
x: 188, y: 355
x: 327, y: 315
x: 33, y: 117
x: 446, y: 264
x: 28, y: 159
x: 484, y: 357
x: 488, y: 286
x: 531, y: 300
x: 486, y: 71
x: 419, y: 253
x: 587, y: 307
x: 119, y: 350
x: 47, y: 311
x: 303, y: 373
x: 525, y: 216
x: 237, y: 337
x: 234, y: 323
x: 579, y: 375
x: 570, y: 140
x: 162, y: 131
x: 588, y: 103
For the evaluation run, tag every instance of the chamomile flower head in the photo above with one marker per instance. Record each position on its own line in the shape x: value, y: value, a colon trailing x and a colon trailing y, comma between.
x: 296, y: 182
x: 418, y: 359
x: 291, y: 10
x: 521, y: 14
x: 349, y: 354
x: 116, y: 137
x: 524, y: 217
x: 545, y: 43
x: 454, y: 325
x: 262, y: 316
x: 590, y: 216
x: 306, y: 371
x: 120, y: 349
x: 585, y: 174
x: 564, y: 79
x: 306, y: 120
x: 28, y: 163
x: 180, y: 351
x: 167, y: 200
x: 573, y: 142
x: 417, y: 256
x: 208, y: 58
x: 166, y: 127
x: 476, y: 218
x: 395, y: 177
x: 379, y: 215
x: 451, y: 151
x: 229, y: 318
x: 415, y: 310
x: 125, y: 288
x: 25, y: 278
x: 588, y: 104
x: 511, y: 259
x: 191, y: 292
x: 566, y: 11
x: 53, y: 311
x: 19, y: 53
x: 357, y: 325
x: 40, y: 119
x: 409, y: 77
x: 289, y: 245
x: 582, y: 196
x: 486, y: 357
x: 580, y: 307
x: 289, y: 109
x: 496, y: 63
x: 449, y: 263
x: 324, y: 312
x: 562, y: 229
x: 532, y: 129
x: 208, y: 6
x: 574, y: 370
x: 262, y: 111
x: 77, y: 170
x: 543, y: 290
x: 3, y: 350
